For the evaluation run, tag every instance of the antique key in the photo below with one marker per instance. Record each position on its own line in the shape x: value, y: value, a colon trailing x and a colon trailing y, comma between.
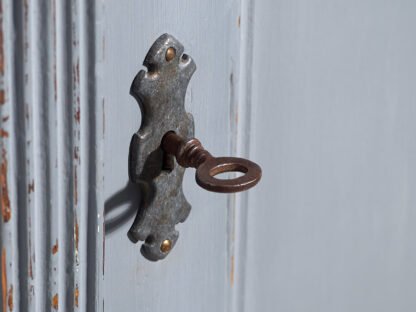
x: 190, y: 153
x: 164, y: 135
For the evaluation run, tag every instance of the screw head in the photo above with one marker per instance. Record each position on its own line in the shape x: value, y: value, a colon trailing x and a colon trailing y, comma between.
x: 170, y: 54
x: 166, y: 246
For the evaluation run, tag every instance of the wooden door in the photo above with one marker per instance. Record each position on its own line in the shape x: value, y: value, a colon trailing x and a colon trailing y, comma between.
x: 319, y: 93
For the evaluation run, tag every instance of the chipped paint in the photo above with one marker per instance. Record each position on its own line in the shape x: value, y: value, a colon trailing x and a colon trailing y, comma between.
x: 76, y: 296
x: 232, y: 271
x: 76, y: 155
x: 55, y: 248
x: 77, y: 115
x: 3, y: 133
x: 76, y: 237
x: 4, y: 278
x: 75, y: 185
x: 55, y: 302
x: 77, y: 69
x: 5, y: 201
x: 31, y: 187
x: 2, y: 96
x: 4, y: 119
x: 10, y: 301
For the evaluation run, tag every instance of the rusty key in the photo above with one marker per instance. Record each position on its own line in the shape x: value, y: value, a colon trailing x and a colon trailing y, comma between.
x: 190, y: 153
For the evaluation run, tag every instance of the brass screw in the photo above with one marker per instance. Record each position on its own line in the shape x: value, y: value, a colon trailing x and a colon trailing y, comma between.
x: 170, y: 54
x: 166, y: 246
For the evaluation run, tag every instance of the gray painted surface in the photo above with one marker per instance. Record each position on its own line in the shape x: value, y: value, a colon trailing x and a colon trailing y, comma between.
x: 196, y: 276
x: 329, y: 228
x: 332, y: 225
x: 51, y: 143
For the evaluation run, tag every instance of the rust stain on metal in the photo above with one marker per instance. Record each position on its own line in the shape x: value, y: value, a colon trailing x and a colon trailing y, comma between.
x: 76, y: 296
x: 31, y: 187
x: 75, y: 185
x: 232, y: 271
x: 55, y: 248
x: 2, y: 94
x: 4, y: 119
x: 10, y: 301
x: 5, y: 201
x: 239, y: 21
x: 4, y: 278
x: 3, y: 133
x: 55, y: 302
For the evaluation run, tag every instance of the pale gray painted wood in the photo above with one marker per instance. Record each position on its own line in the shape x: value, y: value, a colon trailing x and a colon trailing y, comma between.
x: 198, y: 274
x: 51, y: 145
x: 331, y: 227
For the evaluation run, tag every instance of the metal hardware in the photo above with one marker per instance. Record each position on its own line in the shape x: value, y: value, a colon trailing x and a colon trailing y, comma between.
x: 160, y: 93
x: 190, y: 153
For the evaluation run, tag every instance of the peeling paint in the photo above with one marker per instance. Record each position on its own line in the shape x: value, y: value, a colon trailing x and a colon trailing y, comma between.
x: 5, y: 201
x: 232, y: 271
x: 76, y: 236
x: 78, y: 70
x: 4, y: 278
x: 2, y: 96
x: 55, y: 248
x: 76, y: 155
x: 78, y: 114
x: 10, y: 301
x: 76, y: 296
x: 3, y: 133
x: 55, y: 302
x: 30, y: 249
x: 31, y: 187
x: 75, y: 185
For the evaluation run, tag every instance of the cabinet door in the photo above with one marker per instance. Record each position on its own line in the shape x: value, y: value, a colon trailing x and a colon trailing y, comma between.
x: 332, y: 225
x: 319, y: 93
x: 198, y: 274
